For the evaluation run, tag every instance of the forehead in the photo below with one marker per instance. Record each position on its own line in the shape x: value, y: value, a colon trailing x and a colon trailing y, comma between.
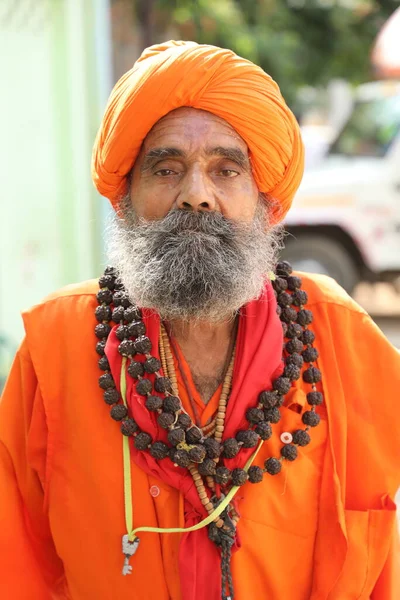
x: 194, y: 127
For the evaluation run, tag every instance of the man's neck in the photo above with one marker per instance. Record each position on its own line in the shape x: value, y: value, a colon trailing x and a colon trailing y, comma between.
x: 201, y: 332
x: 206, y: 348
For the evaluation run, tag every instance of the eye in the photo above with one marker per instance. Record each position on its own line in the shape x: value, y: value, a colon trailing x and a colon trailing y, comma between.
x: 228, y: 173
x: 164, y: 172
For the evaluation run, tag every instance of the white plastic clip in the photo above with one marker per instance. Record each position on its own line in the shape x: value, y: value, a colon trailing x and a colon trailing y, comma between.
x: 128, y: 550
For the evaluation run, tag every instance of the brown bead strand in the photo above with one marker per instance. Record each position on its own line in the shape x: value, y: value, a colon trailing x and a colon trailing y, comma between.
x: 225, y: 392
x: 226, y: 388
x: 219, y: 420
x: 234, y: 516
x: 164, y: 351
x: 162, y: 355
x: 209, y: 430
x: 210, y: 482
x: 169, y: 360
x: 202, y: 493
x: 223, y: 401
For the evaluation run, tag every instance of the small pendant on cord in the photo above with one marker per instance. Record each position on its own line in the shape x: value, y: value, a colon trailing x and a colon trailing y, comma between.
x: 128, y: 550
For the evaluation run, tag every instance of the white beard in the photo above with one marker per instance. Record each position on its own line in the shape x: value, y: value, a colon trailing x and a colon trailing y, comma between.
x: 193, y: 265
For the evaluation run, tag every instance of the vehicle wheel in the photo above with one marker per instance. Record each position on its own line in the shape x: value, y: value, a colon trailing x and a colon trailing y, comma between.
x: 318, y: 254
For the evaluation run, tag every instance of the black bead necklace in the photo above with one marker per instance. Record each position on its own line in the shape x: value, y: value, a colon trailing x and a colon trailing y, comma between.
x: 186, y: 442
x: 187, y: 447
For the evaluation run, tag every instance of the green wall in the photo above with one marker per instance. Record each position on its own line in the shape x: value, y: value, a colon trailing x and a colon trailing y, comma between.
x: 52, y: 95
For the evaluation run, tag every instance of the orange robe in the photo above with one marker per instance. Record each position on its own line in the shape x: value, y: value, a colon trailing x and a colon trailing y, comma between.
x: 324, y: 529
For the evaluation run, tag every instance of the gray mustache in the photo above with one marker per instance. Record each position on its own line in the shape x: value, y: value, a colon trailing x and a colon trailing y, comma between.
x: 180, y: 221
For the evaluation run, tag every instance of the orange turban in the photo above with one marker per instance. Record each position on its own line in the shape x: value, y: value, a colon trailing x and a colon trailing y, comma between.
x: 176, y: 74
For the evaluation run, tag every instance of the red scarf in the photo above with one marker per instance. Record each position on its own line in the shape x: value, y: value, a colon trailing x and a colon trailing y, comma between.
x: 258, y: 361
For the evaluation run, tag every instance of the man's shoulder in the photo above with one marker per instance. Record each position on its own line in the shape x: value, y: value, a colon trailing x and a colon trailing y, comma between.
x: 60, y: 333
x: 322, y: 289
x: 66, y: 298
x: 84, y: 288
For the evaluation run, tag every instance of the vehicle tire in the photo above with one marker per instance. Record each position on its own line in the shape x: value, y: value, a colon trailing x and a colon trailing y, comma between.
x: 319, y: 254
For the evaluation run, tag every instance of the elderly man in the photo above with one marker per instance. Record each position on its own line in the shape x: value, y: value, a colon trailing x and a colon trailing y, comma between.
x: 254, y: 443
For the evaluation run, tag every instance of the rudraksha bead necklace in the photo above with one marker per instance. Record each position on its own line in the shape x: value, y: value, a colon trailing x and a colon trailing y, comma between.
x: 202, y: 452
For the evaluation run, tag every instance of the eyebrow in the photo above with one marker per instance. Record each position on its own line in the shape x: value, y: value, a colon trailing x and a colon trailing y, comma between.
x: 234, y: 154
x: 159, y: 154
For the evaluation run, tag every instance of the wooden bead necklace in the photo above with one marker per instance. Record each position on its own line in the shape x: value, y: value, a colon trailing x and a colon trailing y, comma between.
x: 214, y: 428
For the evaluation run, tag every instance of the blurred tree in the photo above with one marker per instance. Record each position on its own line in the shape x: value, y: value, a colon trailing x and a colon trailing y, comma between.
x: 145, y: 10
x: 299, y: 42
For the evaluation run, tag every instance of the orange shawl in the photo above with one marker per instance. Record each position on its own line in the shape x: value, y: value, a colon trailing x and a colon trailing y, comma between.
x: 325, y: 531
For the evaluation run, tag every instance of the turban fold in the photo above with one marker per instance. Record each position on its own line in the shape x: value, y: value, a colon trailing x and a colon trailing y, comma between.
x: 176, y: 74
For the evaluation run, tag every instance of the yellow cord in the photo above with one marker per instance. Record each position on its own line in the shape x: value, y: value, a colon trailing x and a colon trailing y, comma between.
x: 127, y: 459
x: 128, y: 490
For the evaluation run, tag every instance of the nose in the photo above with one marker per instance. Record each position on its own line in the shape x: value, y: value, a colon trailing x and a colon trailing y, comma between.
x: 197, y: 192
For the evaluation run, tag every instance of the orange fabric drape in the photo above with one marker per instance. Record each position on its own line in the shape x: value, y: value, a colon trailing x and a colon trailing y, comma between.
x: 324, y: 529
x: 204, y: 411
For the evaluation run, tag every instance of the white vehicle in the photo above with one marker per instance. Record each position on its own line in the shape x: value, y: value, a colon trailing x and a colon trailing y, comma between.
x: 345, y: 219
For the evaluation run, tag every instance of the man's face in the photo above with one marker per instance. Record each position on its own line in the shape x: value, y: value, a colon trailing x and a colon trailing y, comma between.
x: 192, y: 239
x: 193, y: 160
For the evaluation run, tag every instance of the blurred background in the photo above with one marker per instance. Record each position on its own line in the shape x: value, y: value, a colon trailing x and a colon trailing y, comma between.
x: 338, y: 65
